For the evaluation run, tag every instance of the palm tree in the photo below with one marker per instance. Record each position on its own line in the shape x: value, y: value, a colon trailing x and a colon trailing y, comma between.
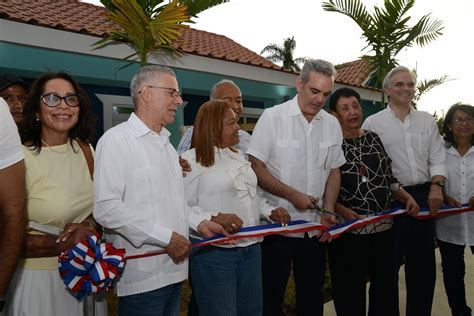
x: 386, y: 31
x: 423, y: 86
x: 149, y: 25
x: 284, y: 54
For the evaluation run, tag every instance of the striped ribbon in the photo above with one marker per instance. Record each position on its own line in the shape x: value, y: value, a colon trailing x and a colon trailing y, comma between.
x: 337, y: 230
x: 92, y: 267
x: 301, y: 226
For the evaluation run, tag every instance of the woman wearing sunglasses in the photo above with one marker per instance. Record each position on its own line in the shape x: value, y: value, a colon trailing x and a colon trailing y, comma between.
x: 455, y: 232
x: 56, y: 134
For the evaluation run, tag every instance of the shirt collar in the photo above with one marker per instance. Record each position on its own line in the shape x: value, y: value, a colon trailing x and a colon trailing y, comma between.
x: 140, y: 129
x: 389, y: 109
x: 453, y: 151
x: 295, y: 110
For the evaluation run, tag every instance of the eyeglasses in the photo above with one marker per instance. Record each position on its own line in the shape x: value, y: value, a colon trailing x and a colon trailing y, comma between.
x: 465, y: 120
x: 173, y: 92
x: 53, y: 99
x: 10, y: 98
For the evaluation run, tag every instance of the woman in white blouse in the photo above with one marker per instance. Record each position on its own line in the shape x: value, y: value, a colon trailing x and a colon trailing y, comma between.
x: 223, y: 187
x: 456, y: 231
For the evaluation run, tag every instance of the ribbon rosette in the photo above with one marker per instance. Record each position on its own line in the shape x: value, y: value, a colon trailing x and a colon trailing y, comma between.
x: 90, y: 266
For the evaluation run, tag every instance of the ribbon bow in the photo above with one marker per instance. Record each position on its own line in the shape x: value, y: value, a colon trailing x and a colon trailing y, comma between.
x: 90, y: 266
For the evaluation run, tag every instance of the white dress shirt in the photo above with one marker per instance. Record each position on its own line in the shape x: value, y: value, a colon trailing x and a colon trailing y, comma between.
x: 414, y: 145
x: 298, y: 153
x: 228, y: 186
x: 10, y: 145
x: 458, y: 229
x: 139, y: 199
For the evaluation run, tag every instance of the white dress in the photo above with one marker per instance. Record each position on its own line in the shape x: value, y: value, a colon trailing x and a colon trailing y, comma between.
x: 59, y: 191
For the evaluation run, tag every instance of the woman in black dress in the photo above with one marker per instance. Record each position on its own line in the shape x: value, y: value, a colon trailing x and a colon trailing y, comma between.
x: 367, y: 187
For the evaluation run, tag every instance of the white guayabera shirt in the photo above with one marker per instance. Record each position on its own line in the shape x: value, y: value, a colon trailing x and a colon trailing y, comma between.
x: 414, y: 145
x: 139, y: 199
x: 298, y: 153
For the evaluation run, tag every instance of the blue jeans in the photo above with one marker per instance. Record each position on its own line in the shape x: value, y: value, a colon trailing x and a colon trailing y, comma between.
x: 161, y: 302
x: 227, y: 281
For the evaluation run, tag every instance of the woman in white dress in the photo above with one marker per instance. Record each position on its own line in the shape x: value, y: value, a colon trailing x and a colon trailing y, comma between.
x: 56, y: 134
x: 455, y: 232
x: 223, y: 188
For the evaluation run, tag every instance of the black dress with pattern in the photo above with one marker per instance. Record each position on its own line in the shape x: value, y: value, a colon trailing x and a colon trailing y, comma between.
x: 366, y: 178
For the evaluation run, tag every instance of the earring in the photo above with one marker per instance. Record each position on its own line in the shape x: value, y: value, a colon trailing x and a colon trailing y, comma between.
x: 37, y: 118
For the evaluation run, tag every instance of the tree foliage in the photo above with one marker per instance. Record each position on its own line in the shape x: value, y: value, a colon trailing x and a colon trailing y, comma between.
x: 284, y: 54
x: 387, y: 31
x: 149, y: 25
x: 423, y: 86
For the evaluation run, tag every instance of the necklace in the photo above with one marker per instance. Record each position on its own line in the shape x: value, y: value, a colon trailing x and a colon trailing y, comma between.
x: 362, y: 169
x: 51, y: 148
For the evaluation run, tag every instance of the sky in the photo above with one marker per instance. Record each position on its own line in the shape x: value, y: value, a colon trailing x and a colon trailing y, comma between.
x: 336, y: 38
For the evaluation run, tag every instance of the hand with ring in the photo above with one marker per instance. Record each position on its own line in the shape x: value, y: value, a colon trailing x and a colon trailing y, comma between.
x: 231, y: 222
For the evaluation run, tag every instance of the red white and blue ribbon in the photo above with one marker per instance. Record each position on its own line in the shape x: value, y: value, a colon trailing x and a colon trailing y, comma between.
x: 90, y: 266
x: 300, y: 226
x: 337, y: 230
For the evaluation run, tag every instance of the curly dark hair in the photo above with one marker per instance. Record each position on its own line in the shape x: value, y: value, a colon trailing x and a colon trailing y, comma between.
x: 30, y: 129
x: 448, y: 120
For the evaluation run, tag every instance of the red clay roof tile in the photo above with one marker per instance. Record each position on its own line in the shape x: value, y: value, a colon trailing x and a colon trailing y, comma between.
x: 86, y: 18
x: 354, y: 73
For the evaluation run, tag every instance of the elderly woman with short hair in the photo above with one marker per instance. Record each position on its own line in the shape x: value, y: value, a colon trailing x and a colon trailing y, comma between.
x: 227, y: 277
x: 367, y: 188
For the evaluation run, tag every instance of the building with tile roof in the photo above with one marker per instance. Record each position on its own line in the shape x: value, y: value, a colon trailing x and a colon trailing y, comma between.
x: 37, y: 36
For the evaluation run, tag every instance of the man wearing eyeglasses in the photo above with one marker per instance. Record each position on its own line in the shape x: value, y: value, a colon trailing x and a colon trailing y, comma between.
x: 412, y: 141
x: 139, y: 197
x: 15, y: 92
x: 229, y: 91
x: 12, y: 198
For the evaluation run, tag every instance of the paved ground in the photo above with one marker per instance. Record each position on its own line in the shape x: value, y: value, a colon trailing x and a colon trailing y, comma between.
x: 440, y: 304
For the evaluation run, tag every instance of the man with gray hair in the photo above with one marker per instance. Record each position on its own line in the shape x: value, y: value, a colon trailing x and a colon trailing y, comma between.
x: 229, y: 91
x: 139, y: 197
x: 412, y: 141
x: 296, y: 153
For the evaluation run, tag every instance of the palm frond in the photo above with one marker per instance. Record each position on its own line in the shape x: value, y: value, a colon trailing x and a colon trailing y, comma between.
x: 168, y: 25
x: 429, y: 30
x: 197, y: 6
x: 424, y: 86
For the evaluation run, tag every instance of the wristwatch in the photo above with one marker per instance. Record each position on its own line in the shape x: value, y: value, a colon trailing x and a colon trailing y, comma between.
x: 440, y: 183
x: 394, y: 187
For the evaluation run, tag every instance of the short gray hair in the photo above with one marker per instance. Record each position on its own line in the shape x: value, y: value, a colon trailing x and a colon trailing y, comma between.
x: 145, y: 75
x: 319, y: 66
x: 220, y: 83
x: 388, y: 78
